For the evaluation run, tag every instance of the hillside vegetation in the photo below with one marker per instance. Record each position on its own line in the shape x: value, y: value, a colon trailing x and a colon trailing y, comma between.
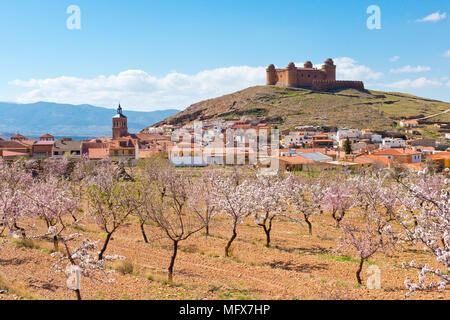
x: 290, y: 107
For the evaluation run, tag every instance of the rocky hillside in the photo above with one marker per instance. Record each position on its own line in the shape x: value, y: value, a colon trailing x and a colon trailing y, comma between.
x: 288, y: 108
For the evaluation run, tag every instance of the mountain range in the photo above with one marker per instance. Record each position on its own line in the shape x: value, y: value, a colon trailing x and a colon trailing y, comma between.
x: 68, y: 120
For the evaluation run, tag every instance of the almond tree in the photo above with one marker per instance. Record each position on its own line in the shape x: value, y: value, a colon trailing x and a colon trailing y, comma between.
x: 82, y: 261
x: 51, y: 200
x: 139, y: 191
x: 339, y: 197
x: 366, y: 241
x: 425, y: 217
x: 14, y: 182
x: 202, y: 201
x: 109, y: 201
x: 306, y: 196
x: 269, y: 196
x: 234, y: 200
x: 59, y: 168
x: 169, y: 211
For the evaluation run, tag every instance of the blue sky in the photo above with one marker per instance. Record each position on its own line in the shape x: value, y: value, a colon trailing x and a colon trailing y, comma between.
x: 168, y: 54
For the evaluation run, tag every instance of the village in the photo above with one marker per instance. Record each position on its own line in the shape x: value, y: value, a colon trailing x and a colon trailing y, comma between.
x: 243, y: 142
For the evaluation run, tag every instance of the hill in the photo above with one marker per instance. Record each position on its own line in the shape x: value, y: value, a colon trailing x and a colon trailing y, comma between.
x: 288, y: 108
x: 69, y: 120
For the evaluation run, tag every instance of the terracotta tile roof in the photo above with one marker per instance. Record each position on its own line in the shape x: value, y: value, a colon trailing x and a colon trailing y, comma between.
x: 98, y: 153
x: 373, y: 158
x: 440, y: 155
x: 11, y: 144
x: 28, y: 142
x: 361, y: 160
x: 7, y: 153
x: 296, y: 160
x: 44, y: 143
x: 151, y: 137
x: 410, y: 121
x: 18, y: 136
x: 47, y: 136
x: 396, y: 152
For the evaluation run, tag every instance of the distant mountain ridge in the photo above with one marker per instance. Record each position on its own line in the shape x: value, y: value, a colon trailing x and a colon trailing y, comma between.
x: 84, y: 120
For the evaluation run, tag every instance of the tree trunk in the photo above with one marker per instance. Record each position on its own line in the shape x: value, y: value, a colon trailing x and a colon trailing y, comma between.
x: 100, y: 255
x: 207, y: 229
x: 267, y: 231
x: 227, y: 248
x: 358, y: 272
x: 77, y: 292
x: 338, y: 218
x: 172, y: 261
x: 143, y: 232
x: 308, y: 223
x: 55, y: 244
x: 22, y: 230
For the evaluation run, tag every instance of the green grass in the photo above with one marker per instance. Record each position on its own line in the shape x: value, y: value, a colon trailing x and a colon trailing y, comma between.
x: 342, y: 258
x: 15, y: 287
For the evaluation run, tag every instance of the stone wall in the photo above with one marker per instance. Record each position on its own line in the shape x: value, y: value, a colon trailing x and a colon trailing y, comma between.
x: 322, y: 85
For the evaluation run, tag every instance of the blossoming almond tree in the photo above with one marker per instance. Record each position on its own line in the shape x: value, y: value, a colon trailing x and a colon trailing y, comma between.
x: 51, y: 200
x: 109, y: 201
x: 169, y: 212
x: 306, y: 196
x: 269, y: 196
x: 202, y: 201
x: 366, y: 241
x: 82, y: 261
x: 234, y: 200
x: 339, y: 197
x: 425, y: 217
x: 14, y: 182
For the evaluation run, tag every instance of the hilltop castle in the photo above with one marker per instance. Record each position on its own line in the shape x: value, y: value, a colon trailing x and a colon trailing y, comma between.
x: 308, y: 76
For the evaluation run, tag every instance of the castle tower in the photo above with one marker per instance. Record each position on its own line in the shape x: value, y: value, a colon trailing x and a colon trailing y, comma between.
x: 330, y: 69
x: 272, y: 78
x: 120, y: 125
x: 291, y: 75
x: 308, y: 65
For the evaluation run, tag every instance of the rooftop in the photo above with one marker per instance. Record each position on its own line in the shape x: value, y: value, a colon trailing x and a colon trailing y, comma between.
x: 396, y: 152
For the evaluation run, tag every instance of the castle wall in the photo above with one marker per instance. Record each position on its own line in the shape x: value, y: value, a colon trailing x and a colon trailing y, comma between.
x: 322, y: 85
x: 295, y: 78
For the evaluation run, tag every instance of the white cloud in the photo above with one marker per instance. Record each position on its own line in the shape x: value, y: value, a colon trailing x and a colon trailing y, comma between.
x: 407, y: 69
x: 447, y: 54
x: 419, y: 83
x: 138, y: 90
x: 434, y: 17
x: 394, y: 59
x: 348, y: 69
x: 448, y: 84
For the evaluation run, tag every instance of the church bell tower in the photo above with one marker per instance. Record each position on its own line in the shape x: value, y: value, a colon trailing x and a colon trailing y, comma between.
x: 120, y: 125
